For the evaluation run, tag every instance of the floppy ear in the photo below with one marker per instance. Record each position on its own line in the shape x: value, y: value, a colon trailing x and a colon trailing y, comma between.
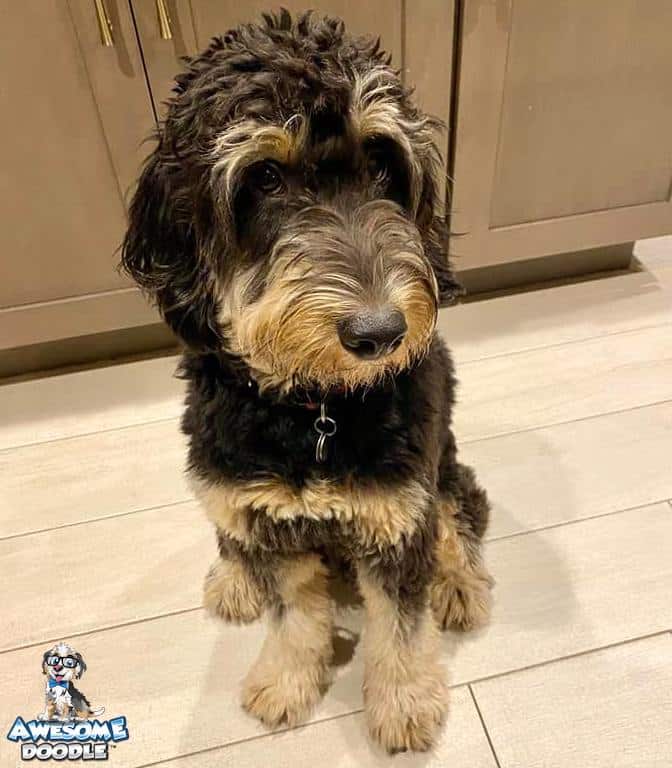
x: 81, y: 668
x: 436, y: 237
x: 161, y: 253
x: 44, y: 661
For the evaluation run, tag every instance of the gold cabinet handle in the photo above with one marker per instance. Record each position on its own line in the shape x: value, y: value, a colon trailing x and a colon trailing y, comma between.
x: 164, y: 20
x: 104, y: 24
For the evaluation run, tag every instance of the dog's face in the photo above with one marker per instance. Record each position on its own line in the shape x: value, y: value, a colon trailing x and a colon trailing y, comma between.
x: 286, y: 216
x: 63, y: 663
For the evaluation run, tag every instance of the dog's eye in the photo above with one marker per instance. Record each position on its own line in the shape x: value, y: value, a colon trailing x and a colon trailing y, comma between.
x: 266, y: 177
x: 70, y: 662
x: 378, y: 167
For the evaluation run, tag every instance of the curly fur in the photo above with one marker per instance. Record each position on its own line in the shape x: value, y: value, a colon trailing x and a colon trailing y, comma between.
x: 293, y: 185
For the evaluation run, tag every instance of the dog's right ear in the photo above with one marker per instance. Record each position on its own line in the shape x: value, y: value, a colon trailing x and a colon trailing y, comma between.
x: 161, y: 253
x: 81, y: 666
x: 44, y: 661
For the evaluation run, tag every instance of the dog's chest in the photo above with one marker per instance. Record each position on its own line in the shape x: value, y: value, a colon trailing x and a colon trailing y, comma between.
x: 59, y: 694
x: 274, y: 513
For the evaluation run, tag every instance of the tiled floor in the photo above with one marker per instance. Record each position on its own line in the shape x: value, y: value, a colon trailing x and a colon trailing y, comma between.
x: 566, y: 413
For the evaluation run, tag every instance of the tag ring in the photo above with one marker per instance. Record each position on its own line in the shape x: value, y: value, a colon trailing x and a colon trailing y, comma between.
x: 325, y: 425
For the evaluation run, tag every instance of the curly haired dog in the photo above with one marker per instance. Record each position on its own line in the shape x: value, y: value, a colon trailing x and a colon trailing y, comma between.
x: 285, y: 227
x: 61, y: 665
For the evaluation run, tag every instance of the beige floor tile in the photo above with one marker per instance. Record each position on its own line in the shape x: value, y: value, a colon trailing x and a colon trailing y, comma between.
x: 558, y: 315
x: 654, y: 253
x: 572, y: 589
x: 83, y: 478
x: 563, y: 383
x: 88, y: 401
x: 571, y: 471
x: 609, y: 709
x: 343, y: 743
x: 104, y: 573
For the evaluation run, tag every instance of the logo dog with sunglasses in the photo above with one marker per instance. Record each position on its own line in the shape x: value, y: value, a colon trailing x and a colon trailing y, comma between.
x: 62, y: 664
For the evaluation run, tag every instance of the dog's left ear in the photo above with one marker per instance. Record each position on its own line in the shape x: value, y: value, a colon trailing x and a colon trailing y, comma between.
x: 81, y: 666
x: 436, y: 236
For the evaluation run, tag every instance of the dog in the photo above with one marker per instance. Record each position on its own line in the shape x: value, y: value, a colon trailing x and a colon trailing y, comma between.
x: 62, y: 664
x: 285, y: 227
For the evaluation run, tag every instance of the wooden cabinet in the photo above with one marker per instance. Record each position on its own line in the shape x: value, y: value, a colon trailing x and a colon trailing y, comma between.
x: 74, y: 116
x: 563, y: 132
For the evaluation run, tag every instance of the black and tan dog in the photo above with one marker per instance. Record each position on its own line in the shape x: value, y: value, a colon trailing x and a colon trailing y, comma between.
x: 285, y: 226
x: 62, y: 665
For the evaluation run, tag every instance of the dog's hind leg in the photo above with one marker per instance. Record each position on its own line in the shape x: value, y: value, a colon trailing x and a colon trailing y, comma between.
x: 232, y: 590
x: 292, y: 671
x: 461, y: 589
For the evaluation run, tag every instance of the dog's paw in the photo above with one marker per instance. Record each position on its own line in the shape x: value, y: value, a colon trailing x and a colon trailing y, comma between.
x: 286, y: 696
x: 408, y: 716
x: 230, y: 594
x: 462, y: 601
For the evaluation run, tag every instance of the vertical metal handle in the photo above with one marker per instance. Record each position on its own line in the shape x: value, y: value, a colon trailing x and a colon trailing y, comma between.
x: 104, y: 24
x: 164, y: 20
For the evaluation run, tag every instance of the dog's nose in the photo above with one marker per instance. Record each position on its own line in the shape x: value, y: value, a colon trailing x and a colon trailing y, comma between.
x: 371, y: 334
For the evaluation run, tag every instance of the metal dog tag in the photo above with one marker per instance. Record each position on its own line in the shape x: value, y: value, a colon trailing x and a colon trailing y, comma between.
x: 325, y: 427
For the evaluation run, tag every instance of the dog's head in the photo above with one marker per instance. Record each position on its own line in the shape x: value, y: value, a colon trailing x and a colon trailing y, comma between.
x: 63, y: 663
x: 287, y: 214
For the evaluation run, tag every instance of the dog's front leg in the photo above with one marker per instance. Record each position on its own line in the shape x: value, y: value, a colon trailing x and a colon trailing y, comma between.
x: 232, y: 590
x: 292, y: 670
x: 405, y: 694
x: 49, y: 709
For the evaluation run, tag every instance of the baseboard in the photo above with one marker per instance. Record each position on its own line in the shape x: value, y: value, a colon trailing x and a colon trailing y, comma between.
x: 530, y: 273
x: 89, y: 351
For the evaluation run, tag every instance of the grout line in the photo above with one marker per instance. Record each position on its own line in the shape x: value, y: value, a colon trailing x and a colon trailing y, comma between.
x: 558, y: 659
x: 574, y: 521
x: 101, y: 629
x: 539, y: 427
x: 255, y: 737
x: 111, y: 516
x: 63, y: 438
x: 598, y: 337
x: 483, y: 725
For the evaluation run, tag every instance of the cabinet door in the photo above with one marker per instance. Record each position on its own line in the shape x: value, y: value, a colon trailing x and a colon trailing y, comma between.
x: 74, y: 115
x: 418, y: 35
x: 564, y: 127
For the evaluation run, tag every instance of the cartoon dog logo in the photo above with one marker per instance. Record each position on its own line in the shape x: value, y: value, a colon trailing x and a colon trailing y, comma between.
x: 62, y: 664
